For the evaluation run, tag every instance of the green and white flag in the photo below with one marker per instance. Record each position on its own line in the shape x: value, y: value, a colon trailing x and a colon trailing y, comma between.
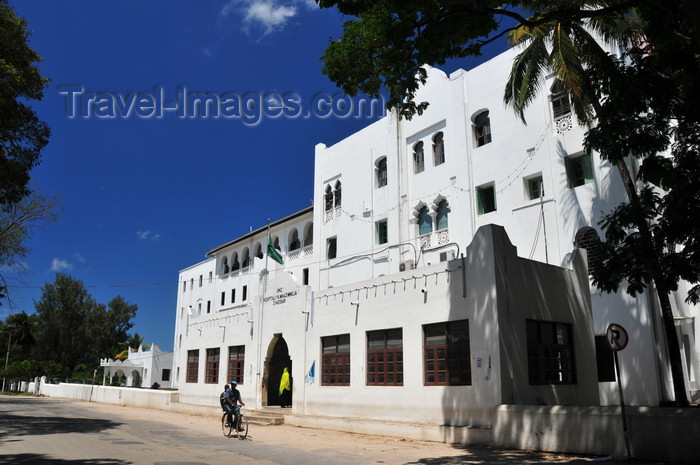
x: 272, y: 253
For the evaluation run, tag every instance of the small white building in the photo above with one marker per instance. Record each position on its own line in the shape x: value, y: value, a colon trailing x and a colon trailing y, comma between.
x: 397, y: 290
x: 142, y: 368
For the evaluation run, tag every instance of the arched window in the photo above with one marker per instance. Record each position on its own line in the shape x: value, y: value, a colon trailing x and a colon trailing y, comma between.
x: 425, y: 221
x: 309, y: 234
x: 329, y: 198
x: 441, y: 219
x: 587, y: 238
x: 294, y: 240
x: 258, y: 250
x: 276, y: 243
x: 337, y: 193
x: 438, y: 149
x: 482, y: 128
x: 418, y: 157
x: 235, y: 264
x: 560, y: 100
x: 224, y: 265
x: 381, y: 172
x: 246, y: 258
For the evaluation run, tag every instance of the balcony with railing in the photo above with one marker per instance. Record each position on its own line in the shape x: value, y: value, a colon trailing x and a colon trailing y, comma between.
x: 302, y: 252
x: 331, y: 214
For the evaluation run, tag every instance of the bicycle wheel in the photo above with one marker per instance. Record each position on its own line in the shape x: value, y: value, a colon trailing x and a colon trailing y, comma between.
x: 226, y: 429
x: 242, y: 427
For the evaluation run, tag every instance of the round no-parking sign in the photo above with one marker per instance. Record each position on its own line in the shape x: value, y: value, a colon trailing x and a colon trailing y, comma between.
x: 617, y: 337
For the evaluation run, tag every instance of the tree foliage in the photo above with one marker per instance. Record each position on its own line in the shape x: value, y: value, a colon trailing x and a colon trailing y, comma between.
x: 650, y: 112
x: 22, y: 134
x: 18, y: 220
x: 19, y: 329
x: 73, y: 328
x: 22, y: 138
x: 387, y: 45
x: 570, y: 48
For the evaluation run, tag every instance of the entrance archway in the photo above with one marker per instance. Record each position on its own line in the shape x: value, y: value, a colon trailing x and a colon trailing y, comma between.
x: 135, y: 379
x: 277, y: 360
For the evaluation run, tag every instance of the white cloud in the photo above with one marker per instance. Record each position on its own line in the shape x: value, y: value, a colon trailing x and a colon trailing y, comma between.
x: 78, y: 257
x: 147, y: 235
x: 270, y: 15
x: 59, y: 264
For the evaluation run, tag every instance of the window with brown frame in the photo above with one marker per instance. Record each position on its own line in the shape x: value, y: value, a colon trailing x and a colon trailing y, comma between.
x: 335, y: 360
x: 447, y: 356
x: 192, y: 365
x: 550, y: 353
x: 236, y: 363
x: 385, y: 357
x: 211, y: 373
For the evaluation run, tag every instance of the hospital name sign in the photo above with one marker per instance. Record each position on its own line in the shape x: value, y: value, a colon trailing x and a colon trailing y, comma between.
x: 280, y: 297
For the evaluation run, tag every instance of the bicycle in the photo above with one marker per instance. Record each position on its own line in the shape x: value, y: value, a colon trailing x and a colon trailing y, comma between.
x: 241, y: 427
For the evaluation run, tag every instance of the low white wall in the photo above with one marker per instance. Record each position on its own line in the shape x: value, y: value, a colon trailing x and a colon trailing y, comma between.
x: 134, y: 397
x: 585, y: 430
x: 655, y: 433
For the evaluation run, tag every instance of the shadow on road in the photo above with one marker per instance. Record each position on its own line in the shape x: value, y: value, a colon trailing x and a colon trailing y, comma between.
x: 16, y: 420
x: 506, y: 457
x: 37, y: 459
x: 485, y: 455
x: 19, y: 425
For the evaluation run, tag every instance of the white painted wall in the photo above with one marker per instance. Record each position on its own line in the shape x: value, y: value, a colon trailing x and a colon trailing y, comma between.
x: 234, y: 323
x: 541, y: 229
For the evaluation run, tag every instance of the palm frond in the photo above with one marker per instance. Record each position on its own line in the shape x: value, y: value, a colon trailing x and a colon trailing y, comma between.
x: 565, y: 61
x: 625, y: 31
x: 526, y: 76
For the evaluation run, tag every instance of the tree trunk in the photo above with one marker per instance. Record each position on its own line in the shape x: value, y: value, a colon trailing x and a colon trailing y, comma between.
x: 674, y: 348
x: 662, y: 291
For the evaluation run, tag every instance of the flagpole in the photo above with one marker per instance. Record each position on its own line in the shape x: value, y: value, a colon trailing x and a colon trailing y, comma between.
x: 268, y: 242
x: 264, y: 276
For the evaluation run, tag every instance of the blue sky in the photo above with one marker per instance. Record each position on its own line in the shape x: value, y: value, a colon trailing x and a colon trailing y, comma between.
x: 146, y: 194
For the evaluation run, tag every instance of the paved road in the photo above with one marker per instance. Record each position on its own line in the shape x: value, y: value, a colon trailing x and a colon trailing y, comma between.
x: 36, y: 430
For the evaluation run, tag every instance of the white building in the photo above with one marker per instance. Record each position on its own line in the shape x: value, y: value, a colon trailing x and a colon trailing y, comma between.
x: 142, y: 368
x: 396, y: 292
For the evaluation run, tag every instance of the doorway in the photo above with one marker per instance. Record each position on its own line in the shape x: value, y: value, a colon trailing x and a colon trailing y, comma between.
x: 277, y: 361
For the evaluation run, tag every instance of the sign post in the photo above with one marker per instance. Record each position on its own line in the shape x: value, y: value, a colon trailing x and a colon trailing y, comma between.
x: 618, y: 338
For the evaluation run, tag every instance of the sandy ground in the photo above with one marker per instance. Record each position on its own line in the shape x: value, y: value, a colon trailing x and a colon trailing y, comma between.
x: 285, y: 443
x: 382, y: 449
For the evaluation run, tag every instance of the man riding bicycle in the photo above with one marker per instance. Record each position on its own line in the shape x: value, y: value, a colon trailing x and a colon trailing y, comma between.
x: 233, y: 398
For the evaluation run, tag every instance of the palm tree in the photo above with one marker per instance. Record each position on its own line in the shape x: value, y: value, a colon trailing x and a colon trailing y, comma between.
x: 21, y: 326
x: 560, y: 40
x: 133, y: 341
